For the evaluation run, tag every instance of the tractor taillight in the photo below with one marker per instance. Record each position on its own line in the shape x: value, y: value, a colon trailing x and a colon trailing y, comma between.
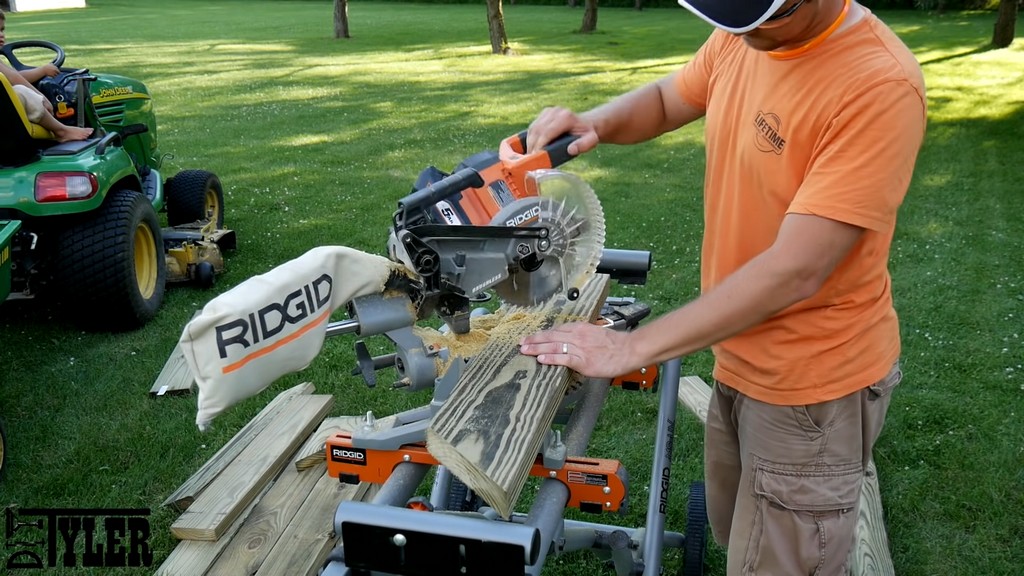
x: 64, y: 186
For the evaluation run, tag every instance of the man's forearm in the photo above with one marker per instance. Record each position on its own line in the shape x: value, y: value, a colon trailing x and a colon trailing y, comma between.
x: 618, y: 121
x: 751, y: 295
x: 792, y: 270
x: 643, y: 114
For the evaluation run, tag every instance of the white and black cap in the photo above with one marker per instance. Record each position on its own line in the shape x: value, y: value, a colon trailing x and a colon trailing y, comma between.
x: 736, y: 16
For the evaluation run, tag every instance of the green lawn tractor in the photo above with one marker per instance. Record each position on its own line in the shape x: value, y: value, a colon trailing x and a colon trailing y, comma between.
x: 90, y: 238
x: 7, y: 231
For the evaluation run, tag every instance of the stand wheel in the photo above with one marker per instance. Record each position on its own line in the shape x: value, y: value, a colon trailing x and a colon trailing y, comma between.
x: 696, y: 532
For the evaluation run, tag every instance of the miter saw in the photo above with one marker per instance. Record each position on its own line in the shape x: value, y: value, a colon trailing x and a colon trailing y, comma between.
x: 506, y: 222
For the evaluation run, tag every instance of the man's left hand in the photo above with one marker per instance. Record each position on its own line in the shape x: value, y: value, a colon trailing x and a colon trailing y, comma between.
x: 586, y: 348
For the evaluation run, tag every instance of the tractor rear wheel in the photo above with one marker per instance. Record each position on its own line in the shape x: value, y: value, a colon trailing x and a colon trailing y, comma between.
x: 194, y: 195
x: 111, y: 266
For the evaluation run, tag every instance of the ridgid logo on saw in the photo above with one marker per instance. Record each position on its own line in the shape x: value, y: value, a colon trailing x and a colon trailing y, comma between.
x: 523, y: 217
x: 292, y: 313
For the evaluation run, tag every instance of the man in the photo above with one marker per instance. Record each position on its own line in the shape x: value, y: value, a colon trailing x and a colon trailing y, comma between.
x: 815, y: 113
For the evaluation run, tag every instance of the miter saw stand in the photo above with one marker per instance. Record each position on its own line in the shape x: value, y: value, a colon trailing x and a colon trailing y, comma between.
x: 399, y: 534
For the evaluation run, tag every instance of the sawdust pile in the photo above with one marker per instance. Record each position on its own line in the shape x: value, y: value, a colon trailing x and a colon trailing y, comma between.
x: 503, y: 326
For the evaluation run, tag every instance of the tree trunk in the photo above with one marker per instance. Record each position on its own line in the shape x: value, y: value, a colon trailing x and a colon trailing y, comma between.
x: 1006, y: 22
x: 496, y: 25
x: 341, y: 19
x: 638, y: 5
x: 571, y: 3
x: 589, y: 17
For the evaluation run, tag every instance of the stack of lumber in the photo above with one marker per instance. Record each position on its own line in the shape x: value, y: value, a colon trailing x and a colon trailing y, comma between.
x: 264, y: 504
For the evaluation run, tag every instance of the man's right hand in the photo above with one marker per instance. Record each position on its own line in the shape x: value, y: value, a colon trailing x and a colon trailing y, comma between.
x: 555, y: 121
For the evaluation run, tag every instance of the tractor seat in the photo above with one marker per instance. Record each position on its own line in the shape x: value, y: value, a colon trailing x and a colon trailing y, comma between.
x: 13, y: 113
x: 20, y: 140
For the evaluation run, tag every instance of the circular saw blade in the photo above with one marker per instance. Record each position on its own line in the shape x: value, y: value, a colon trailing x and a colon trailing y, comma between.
x: 572, y: 213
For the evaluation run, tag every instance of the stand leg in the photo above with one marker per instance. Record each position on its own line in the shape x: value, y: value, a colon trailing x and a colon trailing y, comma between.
x: 661, y: 468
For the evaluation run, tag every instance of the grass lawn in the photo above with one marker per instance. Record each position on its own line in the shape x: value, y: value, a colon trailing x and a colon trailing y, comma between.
x: 315, y: 140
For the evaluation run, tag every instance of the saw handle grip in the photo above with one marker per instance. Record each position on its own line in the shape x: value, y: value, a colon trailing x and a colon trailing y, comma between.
x: 457, y: 182
x: 512, y: 151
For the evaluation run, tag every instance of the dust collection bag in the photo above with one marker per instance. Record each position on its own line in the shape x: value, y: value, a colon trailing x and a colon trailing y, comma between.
x: 273, y: 324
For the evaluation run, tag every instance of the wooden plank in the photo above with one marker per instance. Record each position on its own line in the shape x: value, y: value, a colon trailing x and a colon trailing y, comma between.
x: 490, y: 429
x: 870, y: 553
x: 181, y: 498
x: 216, y: 508
x: 250, y: 545
x: 313, y: 451
x: 175, y: 377
x: 307, y: 541
x: 194, y: 557
x: 695, y: 395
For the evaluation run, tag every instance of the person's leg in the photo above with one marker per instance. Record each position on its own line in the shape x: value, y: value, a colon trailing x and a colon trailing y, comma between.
x: 799, y: 490
x: 63, y: 132
x: 35, y: 110
x: 31, y: 102
x: 721, y: 462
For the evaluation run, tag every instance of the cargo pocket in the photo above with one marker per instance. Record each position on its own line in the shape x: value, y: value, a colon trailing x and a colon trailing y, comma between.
x: 804, y: 521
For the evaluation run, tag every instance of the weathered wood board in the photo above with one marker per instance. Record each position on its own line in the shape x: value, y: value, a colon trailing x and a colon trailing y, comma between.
x: 309, y: 538
x: 194, y: 557
x: 313, y: 452
x: 870, y: 554
x: 174, y: 377
x: 251, y: 544
x: 490, y: 430
x: 216, y: 507
x: 186, y: 493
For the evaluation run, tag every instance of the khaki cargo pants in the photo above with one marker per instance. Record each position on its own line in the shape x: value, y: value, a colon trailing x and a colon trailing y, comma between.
x: 783, y: 482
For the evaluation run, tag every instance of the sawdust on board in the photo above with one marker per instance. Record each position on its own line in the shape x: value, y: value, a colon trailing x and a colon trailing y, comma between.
x: 504, y: 326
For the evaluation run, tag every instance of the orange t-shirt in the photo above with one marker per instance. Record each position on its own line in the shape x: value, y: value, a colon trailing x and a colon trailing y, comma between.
x: 833, y: 133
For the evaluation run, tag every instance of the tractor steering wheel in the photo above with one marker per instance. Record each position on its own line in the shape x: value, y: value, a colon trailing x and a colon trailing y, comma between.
x: 9, y: 48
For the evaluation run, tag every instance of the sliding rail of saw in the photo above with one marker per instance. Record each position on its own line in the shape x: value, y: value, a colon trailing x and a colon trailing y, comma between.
x: 399, y: 534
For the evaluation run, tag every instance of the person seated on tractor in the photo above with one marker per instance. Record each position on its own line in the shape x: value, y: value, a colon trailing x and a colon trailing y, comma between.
x: 37, y: 107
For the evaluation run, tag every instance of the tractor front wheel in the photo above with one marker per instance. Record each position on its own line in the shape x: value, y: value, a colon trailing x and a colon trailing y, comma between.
x: 194, y: 195
x: 111, y: 267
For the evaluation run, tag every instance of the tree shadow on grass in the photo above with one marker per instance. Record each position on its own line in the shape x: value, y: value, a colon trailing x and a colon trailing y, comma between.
x: 978, y: 50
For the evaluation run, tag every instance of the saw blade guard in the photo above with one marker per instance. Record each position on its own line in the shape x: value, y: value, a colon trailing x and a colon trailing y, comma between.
x: 568, y: 207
